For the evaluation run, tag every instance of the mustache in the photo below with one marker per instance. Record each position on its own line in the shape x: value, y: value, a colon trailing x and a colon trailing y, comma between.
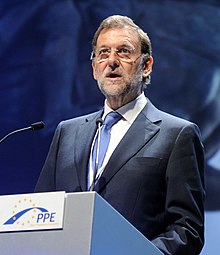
x: 109, y: 70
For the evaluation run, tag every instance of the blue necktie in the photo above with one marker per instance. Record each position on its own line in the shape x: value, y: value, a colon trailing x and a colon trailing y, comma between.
x: 110, y: 119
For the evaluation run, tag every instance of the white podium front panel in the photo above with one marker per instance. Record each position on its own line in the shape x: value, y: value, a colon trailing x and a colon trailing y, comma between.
x: 91, y: 227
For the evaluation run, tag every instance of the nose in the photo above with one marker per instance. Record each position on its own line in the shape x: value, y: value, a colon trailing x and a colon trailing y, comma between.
x: 113, y: 61
x: 113, y: 66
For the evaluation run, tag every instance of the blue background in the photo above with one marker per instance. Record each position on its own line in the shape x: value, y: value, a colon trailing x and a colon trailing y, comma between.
x: 45, y: 74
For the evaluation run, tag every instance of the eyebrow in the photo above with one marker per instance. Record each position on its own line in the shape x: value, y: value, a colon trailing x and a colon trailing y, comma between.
x: 122, y: 45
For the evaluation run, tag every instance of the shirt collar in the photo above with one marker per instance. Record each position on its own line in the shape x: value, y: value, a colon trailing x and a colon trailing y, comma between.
x: 130, y: 110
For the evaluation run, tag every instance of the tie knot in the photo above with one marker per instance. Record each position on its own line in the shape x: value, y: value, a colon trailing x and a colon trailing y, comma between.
x: 111, y: 119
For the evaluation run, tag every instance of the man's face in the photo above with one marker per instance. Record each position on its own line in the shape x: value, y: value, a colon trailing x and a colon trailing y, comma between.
x: 116, y: 66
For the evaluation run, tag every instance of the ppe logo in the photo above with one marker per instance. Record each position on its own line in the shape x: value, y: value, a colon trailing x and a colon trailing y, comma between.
x: 34, y: 211
x: 35, y: 217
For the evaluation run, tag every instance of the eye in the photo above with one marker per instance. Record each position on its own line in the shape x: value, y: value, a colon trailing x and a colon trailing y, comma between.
x: 125, y: 51
x: 103, y: 51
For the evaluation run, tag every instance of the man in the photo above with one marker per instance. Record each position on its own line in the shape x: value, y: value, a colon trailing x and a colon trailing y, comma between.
x: 153, y: 170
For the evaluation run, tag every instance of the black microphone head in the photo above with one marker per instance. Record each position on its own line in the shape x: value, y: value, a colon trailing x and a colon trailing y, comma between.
x: 99, y: 122
x: 37, y: 125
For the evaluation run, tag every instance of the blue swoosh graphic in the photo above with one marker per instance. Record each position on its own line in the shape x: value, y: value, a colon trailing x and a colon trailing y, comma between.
x: 21, y: 213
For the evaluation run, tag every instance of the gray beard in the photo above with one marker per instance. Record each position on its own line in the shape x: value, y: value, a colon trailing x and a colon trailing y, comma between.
x: 133, y: 87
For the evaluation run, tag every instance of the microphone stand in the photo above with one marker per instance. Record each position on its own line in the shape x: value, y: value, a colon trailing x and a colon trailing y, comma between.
x: 34, y: 126
x: 99, y: 123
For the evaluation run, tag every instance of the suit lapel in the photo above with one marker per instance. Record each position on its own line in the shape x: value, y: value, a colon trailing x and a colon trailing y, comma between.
x: 84, y: 139
x: 143, y: 129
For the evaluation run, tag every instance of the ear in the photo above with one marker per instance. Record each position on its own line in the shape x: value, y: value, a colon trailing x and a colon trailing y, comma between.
x: 94, y: 70
x: 148, y: 67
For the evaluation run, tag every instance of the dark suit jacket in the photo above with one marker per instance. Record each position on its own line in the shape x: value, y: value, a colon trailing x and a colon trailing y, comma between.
x: 155, y: 177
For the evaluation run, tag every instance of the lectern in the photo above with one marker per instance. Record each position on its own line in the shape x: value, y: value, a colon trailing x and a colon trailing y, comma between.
x: 90, y: 227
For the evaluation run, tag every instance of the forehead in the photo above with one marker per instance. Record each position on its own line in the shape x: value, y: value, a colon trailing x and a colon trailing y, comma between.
x: 114, y: 37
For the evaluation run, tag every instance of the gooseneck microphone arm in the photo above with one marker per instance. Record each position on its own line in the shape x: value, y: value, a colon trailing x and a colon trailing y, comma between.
x: 99, y: 123
x: 33, y: 127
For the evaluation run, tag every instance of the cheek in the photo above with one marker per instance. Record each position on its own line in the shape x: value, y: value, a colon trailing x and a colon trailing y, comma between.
x: 94, y: 71
x: 94, y: 74
x: 130, y: 73
x: 130, y: 70
x: 97, y: 72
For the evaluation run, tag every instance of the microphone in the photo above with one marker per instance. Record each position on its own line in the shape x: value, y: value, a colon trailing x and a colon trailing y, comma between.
x: 35, y: 126
x: 99, y: 123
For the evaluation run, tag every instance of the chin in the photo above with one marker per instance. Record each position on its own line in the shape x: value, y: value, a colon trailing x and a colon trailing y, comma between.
x: 113, y: 91
x: 114, y: 88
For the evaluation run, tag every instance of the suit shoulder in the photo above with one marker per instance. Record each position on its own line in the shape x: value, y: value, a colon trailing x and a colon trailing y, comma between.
x: 178, y: 124
x: 168, y: 119
x: 175, y: 119
x: 80, y: 119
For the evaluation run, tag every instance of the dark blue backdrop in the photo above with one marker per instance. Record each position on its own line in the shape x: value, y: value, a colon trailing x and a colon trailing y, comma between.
x: 46, y: 74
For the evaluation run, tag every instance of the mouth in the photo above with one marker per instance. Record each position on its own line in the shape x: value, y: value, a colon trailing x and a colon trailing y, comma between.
x: 113, y: 75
